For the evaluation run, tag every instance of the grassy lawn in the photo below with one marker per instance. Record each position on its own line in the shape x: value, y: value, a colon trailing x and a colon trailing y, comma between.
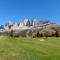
x: 29, y: 48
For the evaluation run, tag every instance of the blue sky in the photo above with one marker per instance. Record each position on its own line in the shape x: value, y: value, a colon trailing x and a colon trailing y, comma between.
x: 16, y: 10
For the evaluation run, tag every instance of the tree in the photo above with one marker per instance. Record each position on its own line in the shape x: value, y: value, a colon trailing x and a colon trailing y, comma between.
x: 38, y: 35
x: 57, y: 33
x: 11, y: 33
x: 30, y: 33
x: 41, y: 34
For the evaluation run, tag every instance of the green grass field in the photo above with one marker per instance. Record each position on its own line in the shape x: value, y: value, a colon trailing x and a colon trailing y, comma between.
x: 29, y: 48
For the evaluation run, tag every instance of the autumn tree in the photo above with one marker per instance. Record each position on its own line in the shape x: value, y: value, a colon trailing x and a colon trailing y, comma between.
x: 30, y: 33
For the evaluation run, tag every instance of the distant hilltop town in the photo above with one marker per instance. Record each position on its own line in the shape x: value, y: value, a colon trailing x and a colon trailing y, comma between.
x: 27, y: 25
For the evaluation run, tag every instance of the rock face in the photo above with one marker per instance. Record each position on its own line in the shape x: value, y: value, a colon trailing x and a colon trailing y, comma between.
x: 35, y: 23
x: 24, y: 24
x: 6, y: 27
x: 2, y: 27
x: 27, y: 24
x: 23, y: 27
x: 14, y: 26
x: 40, y: 23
